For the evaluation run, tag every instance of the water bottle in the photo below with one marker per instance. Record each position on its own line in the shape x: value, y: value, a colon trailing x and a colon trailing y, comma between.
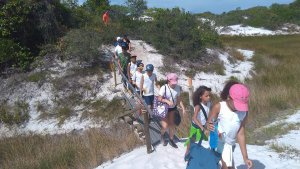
x: 213, y: 136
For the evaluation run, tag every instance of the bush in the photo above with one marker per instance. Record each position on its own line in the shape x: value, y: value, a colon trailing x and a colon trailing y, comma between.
x: 26, y: 25
x: 178, y: 34
x: 17, y: 114
x: 271, y: 18
x: 12, y: 54
x: 82, y: 44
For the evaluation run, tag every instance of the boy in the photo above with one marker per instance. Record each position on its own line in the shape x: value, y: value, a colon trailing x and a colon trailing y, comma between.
x: 147, y: 85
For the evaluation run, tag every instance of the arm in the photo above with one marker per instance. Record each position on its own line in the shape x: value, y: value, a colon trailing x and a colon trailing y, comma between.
x: 242, y: 142
x: 156, y: 84
x: 195, y: 119
x: 142, y: 85
x: 161, y: 99
x: 214, y: 112
x: 129, y: 46
x: 128, y: 73
x: 181, y: 104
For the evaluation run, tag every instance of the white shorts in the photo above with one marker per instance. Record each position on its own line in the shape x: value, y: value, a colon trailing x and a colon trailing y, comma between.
x: 227, y: 153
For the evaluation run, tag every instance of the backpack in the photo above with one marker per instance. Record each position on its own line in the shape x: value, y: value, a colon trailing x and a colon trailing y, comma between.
x: 201, y: 157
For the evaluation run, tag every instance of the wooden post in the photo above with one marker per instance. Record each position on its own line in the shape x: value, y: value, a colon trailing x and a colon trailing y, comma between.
x: 115, y: 74
x: 191, y: 90
x: 146, y: 130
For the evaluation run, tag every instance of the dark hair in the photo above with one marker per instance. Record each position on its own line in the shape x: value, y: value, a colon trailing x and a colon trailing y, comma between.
x: 225, y: 92
x: 199, y: 92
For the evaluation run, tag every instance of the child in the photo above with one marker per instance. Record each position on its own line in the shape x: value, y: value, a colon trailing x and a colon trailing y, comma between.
x: 201, y: 97
x: 231, y: 114
x: 131, y: 68
x: 170, y: 94
x: 147, y: 85
x: 137, y: 77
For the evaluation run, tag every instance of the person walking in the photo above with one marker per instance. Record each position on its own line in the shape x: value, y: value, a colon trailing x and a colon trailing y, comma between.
x: 170, y: 94
x: 232, y: 115
x: 148, y: 81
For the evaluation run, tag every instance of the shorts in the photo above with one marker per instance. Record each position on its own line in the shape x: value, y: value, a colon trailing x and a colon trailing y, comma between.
x: 195, y: 134
x: 227, y: 153
x: 172, y: 109
x: 149, y: 100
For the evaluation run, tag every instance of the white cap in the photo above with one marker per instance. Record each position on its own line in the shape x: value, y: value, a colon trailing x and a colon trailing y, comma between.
x: 118, y: 38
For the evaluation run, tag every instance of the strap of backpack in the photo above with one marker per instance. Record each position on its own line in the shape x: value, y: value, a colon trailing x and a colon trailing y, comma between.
x: 203, y: 111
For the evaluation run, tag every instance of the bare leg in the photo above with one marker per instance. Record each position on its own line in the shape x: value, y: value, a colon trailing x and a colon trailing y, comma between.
x: 171, y: 124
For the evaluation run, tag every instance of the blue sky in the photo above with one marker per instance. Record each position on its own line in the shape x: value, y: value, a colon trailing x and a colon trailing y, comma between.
x: 197, y: 6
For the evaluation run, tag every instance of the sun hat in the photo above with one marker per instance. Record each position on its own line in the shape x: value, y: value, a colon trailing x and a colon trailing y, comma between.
x: 172, y: 78
x: 240, y: 96
x: 133, y: 56
x: 149, y: 67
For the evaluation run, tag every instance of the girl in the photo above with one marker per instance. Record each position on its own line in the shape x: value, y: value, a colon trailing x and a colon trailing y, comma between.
x: 231, y: 114
x: 171, y: 91
x: 201, y: 101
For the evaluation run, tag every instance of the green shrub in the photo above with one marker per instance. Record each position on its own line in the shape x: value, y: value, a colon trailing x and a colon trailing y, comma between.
x: 63, y: 113
x: 36, y: 77
x: 82, y: 44
x: 17, y: 114
x: 178, y: 34
x: 12, y: 54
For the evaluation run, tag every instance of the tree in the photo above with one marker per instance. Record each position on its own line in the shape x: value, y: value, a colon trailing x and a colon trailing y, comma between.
x: 96, y: 6
x: 136, y: 7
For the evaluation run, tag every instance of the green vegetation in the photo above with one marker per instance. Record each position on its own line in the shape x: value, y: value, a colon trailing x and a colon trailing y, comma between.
x: 104, y: 109
x: 86, y: 150
x: 16, y: 114
x: 62, y: 114
x: 271, y: 18
x: 178, y: 34
x: 268, y: 133
x: 275, y: 86
x: 26, y: 25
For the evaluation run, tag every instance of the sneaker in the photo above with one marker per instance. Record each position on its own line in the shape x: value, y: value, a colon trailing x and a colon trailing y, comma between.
x: 187, y: 157
x: 164, y: 141
x: 173, y: 144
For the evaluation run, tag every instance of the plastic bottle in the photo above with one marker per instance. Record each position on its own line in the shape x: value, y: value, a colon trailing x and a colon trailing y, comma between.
x: 213, y: 136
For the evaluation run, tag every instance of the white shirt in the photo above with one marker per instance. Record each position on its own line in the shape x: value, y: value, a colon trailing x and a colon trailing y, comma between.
x: 133, y: 68
x: 137, y: 77
x: 149, y: 84
x: 201, y: 116
x: 118, y: 50
x: 175, y: 93
x: 229, y: 123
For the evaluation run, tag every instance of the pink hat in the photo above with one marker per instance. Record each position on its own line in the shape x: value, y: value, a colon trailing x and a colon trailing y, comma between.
x: 240, y: 96
x: 172, y: 78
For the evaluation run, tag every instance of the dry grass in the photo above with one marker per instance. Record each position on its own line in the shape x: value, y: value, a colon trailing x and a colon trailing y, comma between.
x: 275, y: 87
x: 85, y: 150
x: 236, y: 54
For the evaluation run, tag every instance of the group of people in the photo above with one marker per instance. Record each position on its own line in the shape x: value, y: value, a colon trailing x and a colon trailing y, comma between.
x: 231, y: 113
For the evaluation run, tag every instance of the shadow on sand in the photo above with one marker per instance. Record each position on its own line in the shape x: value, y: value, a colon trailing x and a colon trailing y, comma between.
x: 256, y: 165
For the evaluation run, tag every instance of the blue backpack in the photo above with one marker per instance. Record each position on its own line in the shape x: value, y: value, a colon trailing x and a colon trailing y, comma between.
x: 202, y: 158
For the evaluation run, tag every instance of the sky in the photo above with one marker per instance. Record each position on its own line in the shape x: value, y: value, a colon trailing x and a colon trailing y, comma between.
x: 198, y: 6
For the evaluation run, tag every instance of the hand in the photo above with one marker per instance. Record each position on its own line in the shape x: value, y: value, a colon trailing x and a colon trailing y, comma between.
x: 170, y: 103
x: 206, y: 132
x: 248, y: 163
x: 210, y: 126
